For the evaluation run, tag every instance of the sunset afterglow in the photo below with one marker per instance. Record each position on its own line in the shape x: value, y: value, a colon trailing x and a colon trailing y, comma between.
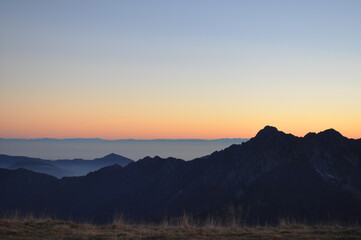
x: 178, y: 69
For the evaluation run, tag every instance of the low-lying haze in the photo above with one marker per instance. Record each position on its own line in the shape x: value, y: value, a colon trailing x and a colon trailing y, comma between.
x: 92, y: 148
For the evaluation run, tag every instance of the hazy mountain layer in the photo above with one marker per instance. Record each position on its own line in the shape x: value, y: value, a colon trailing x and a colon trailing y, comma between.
x: 61, y: 168
x: 54, y: 149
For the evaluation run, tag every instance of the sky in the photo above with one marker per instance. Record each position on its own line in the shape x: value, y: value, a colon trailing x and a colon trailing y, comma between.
x: 178, y: 69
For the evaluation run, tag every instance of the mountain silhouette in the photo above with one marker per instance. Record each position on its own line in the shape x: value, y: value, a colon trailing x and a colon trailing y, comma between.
x: 61, y: 168
x: 312, y: 178
x: 21, y: 184
x: 42, y: 167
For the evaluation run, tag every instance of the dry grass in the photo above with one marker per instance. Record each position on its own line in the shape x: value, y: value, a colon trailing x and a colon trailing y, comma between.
x: 186, y: 228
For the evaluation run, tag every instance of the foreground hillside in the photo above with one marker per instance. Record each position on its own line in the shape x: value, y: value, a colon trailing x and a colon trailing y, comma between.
x: 48, y: 229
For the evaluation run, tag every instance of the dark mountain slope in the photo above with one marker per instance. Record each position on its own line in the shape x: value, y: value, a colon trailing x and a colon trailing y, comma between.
x: 223, y: 176
x: 41, y: 167
x: 19, y: 186
x: 300, y: 193
x: 141, y: 190
x: 315, y: 178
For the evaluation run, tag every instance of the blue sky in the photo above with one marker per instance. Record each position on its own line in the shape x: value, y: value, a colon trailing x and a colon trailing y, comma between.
x: 274, y: 62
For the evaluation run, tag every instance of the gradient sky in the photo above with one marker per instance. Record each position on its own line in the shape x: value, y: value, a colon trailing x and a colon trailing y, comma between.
x: 178, y: 69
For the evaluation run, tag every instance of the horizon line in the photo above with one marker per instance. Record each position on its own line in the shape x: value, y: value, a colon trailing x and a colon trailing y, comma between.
x: 128, y: 139
x: 165, y: 139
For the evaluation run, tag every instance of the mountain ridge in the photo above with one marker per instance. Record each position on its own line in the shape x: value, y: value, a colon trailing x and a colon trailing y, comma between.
x: 62, y: 167
x: 273, y: 175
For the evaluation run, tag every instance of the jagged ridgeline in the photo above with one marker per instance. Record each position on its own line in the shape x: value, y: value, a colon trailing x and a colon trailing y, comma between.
x: 316, y: 178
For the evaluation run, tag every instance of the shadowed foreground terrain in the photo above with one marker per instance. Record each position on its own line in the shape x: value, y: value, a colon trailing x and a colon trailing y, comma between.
x: 50, y: 229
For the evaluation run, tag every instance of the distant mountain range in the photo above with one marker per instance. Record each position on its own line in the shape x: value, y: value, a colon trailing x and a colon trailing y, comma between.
x: 62, y: 168
x: 124, y: 140
x: 314, y: 178
x: 54, y: 149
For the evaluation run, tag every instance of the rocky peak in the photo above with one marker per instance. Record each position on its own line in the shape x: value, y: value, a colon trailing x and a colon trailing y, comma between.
x: 331, y: 133
x: 268, y: 133
x: 112, y: 155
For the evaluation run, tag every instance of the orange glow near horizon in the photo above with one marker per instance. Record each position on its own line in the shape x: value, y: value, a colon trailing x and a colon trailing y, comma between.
x: 110, y: 116
x: 200, y: 126
x: 171, y: 118
x: 179, y: 70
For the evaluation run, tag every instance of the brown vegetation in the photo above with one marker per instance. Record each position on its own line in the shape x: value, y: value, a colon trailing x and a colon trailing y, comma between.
x: 184, y: 228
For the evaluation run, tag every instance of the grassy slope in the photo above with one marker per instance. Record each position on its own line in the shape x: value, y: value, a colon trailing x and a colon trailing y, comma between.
x: 49, y: 229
